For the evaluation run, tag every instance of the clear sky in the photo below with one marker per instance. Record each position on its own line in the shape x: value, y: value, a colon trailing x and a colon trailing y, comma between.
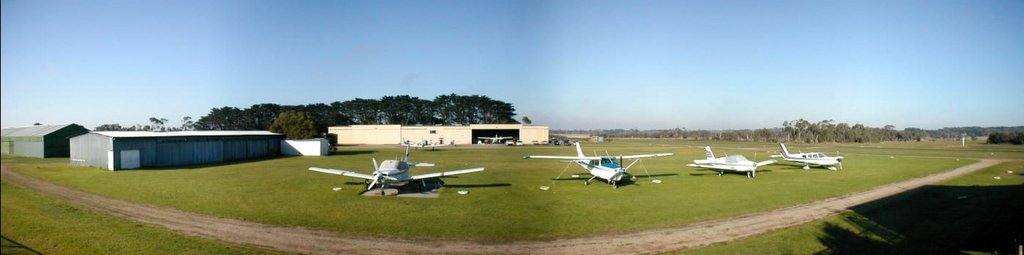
x: 567, y: 64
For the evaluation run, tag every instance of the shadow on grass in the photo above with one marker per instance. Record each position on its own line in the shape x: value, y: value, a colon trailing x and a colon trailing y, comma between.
x: 706, y: 172
x: 654, y: 175
x: 492, y: 185
x: 13, y: 247
x: 351, y: 152
x: 205, y: 165
x: 933, y: 220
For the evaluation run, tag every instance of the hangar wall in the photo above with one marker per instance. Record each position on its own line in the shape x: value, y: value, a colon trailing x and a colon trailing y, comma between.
x: 460, y: 135
x: 163, y: 149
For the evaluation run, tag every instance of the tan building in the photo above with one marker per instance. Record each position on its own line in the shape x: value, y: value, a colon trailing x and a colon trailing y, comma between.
x: 396, y: 134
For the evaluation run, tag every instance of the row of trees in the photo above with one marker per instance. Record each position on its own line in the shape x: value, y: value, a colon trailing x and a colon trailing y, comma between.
x: 804, y: 131
x: 402, y: 110
x: 156, y: 124
x: 1006, y: 137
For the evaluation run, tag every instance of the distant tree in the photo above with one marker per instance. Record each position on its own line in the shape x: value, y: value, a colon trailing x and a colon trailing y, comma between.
x: 110, y: 127
x: 526, y: 120
x: 362, y: 111
x: 157, y: 124
x: 259, y: 116
x: 224, y: 118
x: 187, y: 124
x: 294, y: 125
x: 37, y: 124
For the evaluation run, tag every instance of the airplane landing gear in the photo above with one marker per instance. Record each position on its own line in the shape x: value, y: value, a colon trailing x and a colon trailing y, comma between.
x: 807, y: 167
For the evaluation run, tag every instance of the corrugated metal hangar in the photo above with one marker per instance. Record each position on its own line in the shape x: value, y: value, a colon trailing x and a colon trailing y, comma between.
x: 397, y: 134
x: 117, y: 150
x: 43, y: 141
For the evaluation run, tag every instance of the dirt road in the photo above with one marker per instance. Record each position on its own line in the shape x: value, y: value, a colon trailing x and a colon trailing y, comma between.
x: 301, y: 240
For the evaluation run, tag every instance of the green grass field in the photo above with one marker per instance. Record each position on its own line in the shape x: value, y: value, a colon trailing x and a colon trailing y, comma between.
x: 38, y: 224
x: 975, y: 213
x: 504, y: 202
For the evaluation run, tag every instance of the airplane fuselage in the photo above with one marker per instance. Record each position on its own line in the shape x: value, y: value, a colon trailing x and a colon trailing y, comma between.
x: 610, y: 172
x: 393, y: 168
x: 722, y: 165
x: 813, y: 158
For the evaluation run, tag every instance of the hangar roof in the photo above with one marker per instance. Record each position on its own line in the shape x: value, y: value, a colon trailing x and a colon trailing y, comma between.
x: 40, y: 130
x: 119, y: 134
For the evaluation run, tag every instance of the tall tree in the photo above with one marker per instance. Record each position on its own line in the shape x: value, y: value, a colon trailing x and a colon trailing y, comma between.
x: 294, y: 125
x: 187, y: 124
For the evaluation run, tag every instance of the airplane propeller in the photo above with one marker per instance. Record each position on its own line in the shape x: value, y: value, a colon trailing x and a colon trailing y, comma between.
x: 840, y: 159
x: 376, y: 177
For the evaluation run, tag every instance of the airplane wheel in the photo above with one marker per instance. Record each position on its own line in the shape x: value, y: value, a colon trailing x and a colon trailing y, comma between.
x: 586, y: 183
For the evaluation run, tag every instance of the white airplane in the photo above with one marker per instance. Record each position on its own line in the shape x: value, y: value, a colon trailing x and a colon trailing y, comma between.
x: 811, y: 159
x: 391, y: 173
x: 496, y: 139
x: 607, y: 168
x: 735, y: 163
x: 425, y: 144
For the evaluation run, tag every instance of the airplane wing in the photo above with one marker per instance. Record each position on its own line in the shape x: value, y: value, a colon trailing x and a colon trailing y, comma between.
x: 563, y: 157
x: 343, y: 172
x: 644, y: 156
x: 766, y: 162
x: 448, y: 173
x: 727, y: 168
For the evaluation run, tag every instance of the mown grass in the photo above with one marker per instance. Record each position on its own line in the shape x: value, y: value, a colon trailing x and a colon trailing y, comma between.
x: 38, y: 224
x: 973, y: 150
x: 504, y: 202
x: 975, y: 213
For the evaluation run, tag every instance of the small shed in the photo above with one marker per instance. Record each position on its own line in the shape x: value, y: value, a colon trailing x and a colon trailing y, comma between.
x: 42, y: 141
x: 307, y: 147
x: 116, y: 150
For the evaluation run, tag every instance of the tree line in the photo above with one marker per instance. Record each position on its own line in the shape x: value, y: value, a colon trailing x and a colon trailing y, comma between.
x: 156, y: 124
x: 449, y: 109
x: 802, y: 130
x: 1006, y: 137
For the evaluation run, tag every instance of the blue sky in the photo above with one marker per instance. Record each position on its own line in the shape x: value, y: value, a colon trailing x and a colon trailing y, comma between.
x: 567, y: 64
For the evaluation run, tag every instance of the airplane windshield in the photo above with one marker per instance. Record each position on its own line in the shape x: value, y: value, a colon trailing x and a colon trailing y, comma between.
x: 610, y: 162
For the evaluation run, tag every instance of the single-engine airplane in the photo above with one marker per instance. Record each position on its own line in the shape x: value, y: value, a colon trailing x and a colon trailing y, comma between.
x: 734, y: 163
x: 608, y: 168
x: 391, y: 173
x: 809, y: 159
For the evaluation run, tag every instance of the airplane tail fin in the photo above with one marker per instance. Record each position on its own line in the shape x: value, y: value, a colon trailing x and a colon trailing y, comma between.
x: 407, y: 152
x: 785, y: 152
x: 707, y: 150
x: 579, y: 150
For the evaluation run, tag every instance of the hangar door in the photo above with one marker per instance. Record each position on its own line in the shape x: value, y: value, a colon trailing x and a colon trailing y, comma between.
x: 130, y: 159
x: 478, y: 133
